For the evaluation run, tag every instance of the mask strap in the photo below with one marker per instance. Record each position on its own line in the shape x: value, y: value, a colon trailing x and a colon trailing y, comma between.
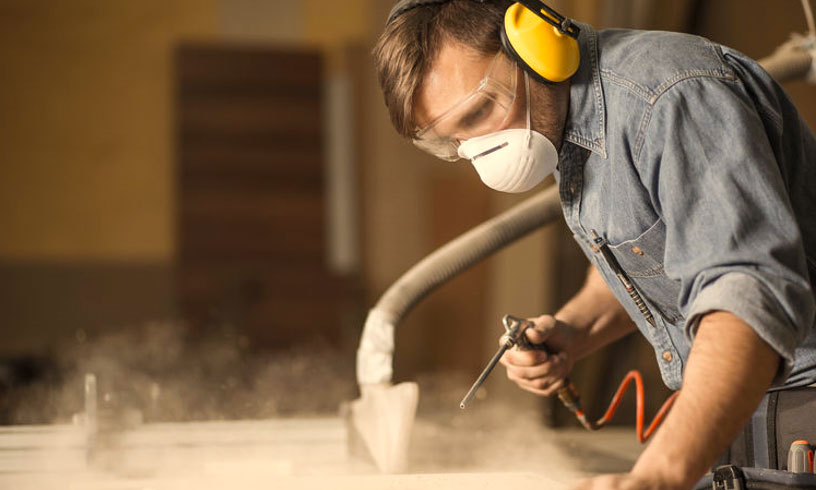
x: 527, y: 94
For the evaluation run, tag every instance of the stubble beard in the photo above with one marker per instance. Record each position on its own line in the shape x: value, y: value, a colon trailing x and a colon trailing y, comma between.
x: 548, y: 109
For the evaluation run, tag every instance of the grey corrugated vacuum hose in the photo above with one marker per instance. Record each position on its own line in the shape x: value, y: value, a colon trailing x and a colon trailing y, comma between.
x: 374, y: 357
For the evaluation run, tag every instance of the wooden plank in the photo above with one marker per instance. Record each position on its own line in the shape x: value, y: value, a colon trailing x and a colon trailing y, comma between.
x: 309, y: 453
x: 251, y: 210
x: 307, y: 181
x: 274, y: 322
x: 251, y: 243
x: 280, y: 113
x: 275, y: 206
x: 284, y: 140
x: 217, y: 161
x: 283, y: 281
x: 438, y: 481
x: 214, y: 67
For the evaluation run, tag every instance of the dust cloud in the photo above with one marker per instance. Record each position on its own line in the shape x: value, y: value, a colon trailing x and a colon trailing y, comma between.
x: 158, y: 372
x: 208, y: 411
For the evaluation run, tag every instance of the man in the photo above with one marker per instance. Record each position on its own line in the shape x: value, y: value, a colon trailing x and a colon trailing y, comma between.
x: 679, y: 159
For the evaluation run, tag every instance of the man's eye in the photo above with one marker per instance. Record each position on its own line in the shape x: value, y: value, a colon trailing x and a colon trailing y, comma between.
x: 475, y: 116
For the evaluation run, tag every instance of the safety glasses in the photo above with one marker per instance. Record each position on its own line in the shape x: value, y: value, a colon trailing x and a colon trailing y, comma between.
x: 483, y: 111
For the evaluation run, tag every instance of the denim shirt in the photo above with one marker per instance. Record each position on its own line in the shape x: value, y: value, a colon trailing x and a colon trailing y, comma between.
x: 696, y: 168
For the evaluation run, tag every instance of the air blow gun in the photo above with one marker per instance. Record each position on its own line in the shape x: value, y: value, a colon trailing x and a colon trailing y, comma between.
x: 515, y: 336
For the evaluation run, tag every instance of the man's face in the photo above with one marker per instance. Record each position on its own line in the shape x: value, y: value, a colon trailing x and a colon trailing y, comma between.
x: 453, y: 77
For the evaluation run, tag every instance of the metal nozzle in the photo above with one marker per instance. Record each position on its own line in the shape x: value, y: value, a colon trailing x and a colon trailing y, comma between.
x: 514, y: 329
x: 485, y: 373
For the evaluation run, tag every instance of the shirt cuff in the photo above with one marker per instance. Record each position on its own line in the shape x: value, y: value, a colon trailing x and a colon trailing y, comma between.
x: 746, y: 297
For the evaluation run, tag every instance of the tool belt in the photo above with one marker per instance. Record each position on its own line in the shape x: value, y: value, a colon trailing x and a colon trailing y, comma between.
x: 758, y: 457
x: 782, y: 417
x: 735, y: 478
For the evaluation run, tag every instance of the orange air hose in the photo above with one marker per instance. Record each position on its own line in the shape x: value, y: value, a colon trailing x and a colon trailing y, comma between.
x: 569, y: 396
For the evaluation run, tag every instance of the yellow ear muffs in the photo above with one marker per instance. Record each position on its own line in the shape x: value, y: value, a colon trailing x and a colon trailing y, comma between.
x: 545, y: 48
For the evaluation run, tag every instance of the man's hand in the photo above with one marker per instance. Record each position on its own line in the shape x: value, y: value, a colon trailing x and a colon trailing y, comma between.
x: 619, y: 482
x: 590, y: 320
x: 534, y: 370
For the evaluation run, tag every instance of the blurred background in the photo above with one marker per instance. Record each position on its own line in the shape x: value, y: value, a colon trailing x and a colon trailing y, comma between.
x: 200, y: 199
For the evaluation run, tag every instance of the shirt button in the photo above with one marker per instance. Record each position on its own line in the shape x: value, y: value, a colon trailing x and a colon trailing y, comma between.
x: 572, y: 188
x: 667, y: 356
x: 637, y: 250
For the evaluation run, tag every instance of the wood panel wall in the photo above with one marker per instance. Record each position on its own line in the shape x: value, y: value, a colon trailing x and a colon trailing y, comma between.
x: 251, y: 215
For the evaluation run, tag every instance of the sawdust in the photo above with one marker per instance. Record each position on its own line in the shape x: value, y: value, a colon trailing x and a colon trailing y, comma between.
x: 159, y: 373
x: 151, y: 375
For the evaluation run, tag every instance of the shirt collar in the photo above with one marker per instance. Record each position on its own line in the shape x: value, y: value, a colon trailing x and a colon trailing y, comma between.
x: 586, y: 119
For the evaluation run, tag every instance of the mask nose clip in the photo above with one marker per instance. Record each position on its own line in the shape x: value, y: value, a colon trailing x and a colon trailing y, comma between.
x: 490, y: 150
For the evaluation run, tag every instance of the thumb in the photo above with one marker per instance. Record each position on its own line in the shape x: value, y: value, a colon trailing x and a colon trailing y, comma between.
x: 542, y: 329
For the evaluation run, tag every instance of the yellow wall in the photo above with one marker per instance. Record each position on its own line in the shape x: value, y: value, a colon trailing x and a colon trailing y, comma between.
x: 86, y: 118
x: 330, y: 23
x: 260, y: 20
x: 86, y: 113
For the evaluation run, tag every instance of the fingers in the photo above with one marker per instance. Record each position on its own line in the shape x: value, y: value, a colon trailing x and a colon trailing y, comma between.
x: 524, y: 357
x: 543, y: 327
x: 535, y: 370
x: 530, y: 372
x: 542, y: 379
x: 548, y: 390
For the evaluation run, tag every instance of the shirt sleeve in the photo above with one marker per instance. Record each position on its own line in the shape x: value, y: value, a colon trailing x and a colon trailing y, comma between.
x: 732, y: 240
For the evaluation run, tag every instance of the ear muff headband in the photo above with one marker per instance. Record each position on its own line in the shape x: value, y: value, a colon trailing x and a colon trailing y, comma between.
x: 540, y: 39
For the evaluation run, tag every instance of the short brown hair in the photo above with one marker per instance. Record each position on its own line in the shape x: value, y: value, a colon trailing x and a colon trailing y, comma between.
x: 411, y: 42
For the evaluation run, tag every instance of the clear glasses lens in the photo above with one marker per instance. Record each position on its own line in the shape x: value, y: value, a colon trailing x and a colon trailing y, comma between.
x: 439, y: 148
x: 482, y: 112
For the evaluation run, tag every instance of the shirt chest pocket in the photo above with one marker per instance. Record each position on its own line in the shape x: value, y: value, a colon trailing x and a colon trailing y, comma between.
x: 642, y: 260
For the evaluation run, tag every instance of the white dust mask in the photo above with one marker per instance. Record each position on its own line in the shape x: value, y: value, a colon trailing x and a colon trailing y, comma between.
x: 512, y: 160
